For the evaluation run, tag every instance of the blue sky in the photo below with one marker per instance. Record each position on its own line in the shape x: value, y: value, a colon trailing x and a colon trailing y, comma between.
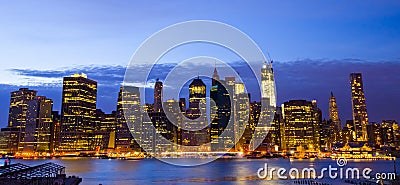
x: 68, y: 36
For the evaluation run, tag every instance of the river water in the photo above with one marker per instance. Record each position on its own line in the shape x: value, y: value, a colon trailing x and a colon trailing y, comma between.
x: 223, y: 171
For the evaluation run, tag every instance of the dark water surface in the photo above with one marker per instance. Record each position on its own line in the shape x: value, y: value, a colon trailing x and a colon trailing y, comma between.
x: 223, y: 171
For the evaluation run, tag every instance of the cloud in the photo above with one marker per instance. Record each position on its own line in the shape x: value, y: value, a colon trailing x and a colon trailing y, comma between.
x: 301, y: 79
x: 105, y: 75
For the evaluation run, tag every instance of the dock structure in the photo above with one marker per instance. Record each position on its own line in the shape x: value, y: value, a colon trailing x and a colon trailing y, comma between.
x: 46, y: 174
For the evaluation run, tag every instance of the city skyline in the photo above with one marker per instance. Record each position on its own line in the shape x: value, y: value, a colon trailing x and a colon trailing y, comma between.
x: 108, y: 93
x: 298, y: 125
x: 188, y: 92
x: 204, y: 126
x: 327, y: 114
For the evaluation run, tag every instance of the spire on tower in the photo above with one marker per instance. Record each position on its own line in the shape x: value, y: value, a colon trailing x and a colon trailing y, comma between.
x: 215, y: 74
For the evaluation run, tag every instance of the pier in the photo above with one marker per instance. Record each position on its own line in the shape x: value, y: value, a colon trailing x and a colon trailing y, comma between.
x: 44, y: 174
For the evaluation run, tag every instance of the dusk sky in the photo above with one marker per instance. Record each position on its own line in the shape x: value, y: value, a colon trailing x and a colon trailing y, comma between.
x: 315, y: 45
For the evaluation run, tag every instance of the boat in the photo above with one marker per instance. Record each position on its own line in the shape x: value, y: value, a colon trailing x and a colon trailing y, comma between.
x: 134, y: 158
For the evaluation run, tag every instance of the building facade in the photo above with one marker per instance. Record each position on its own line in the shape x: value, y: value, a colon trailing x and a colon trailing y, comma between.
x: 17, y: 117
x: 334, y: 113
x: 197, y: 130
x: 359, y: 107
x: 38, y: 125
x: 302, y: 120
x: 221, y: 131
x: 78, y: 114
x: 129, y: 119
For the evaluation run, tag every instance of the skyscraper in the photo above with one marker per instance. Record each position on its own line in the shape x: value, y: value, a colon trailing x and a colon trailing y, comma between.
x: 182, y: 105
x: 268, y: 108
x: 38, y: 125
x: 158, y: 96
x: 78, y: 113
x: 9, y: 139
x: 241, y: 116
x: 105, y: 129
x: 55, y: 131
x: 128, y: 112
x: 301, y: 125
x: 360, y: 115
x: 173, y: 117
x: 268, y: 84
x: 254, y: 116
x: 17, y: 116
x: 333, y: 112
x: 277, y: 130
x: 221, y: 114
x: 197, y: 115
x: 374, y: 133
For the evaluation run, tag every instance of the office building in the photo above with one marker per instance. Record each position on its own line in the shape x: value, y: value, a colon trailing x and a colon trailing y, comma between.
x: 333, y: 113
x: 17, y: 117
x: 129, y: 120
x: 241, y: 117
x: 197, y: 132
x: 222, y: 126
x: 78, y: 109
x: 268, y: 108
x: 38, y: 125
x: 9, y: 137
x: 302, y: 120
x: 359, y: 107
x: 158, y: 88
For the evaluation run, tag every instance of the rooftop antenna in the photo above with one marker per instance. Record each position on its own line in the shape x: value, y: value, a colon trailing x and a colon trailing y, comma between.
x: 269, y: 58
x: 270, y: 62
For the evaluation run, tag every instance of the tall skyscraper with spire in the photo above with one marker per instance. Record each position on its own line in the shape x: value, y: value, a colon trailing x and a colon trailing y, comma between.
x: 268, y: 84
x: 333, y: 112
x: 360, y: 115
x: 268, y: 106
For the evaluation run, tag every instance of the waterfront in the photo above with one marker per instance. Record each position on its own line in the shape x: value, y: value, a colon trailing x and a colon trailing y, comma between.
x: 222, y: 171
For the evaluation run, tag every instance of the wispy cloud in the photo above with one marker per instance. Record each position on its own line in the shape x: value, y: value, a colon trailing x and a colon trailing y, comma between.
x: 106, y: 75
x: 300, y: 79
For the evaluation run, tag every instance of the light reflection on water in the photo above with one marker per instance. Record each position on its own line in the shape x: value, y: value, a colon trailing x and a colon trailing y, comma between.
x: 223, y: 171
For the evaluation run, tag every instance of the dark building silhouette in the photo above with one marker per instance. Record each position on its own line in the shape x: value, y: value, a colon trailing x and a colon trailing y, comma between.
x: 55, y: 131
x: 220, y: 115
x: 182, y: 105
x: 158, y: 96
